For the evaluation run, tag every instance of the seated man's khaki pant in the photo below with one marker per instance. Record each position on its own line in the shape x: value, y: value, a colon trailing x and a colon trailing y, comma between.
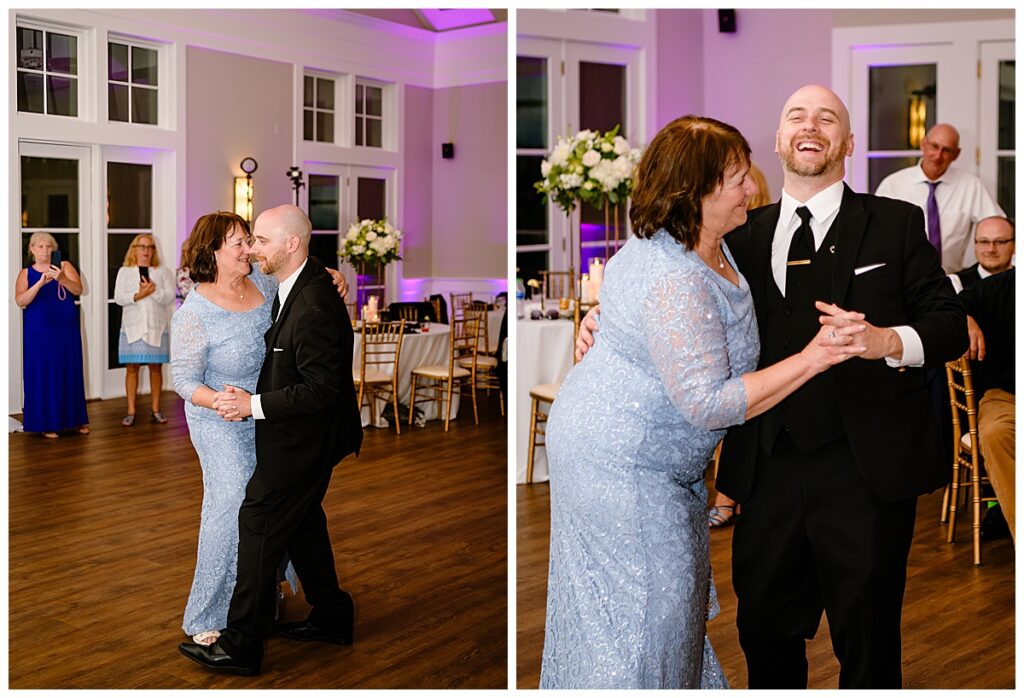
x: 997, y: 434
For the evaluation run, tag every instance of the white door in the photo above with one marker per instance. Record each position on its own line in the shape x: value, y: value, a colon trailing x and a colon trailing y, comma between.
x: 997, y: 106
x: 53, y: 183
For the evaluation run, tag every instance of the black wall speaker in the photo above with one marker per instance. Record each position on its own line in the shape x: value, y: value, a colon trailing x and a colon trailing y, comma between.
x: 448, y: 151
x: 727, y: 21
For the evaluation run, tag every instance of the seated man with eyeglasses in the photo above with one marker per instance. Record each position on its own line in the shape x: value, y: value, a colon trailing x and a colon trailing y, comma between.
x: 994, y: 248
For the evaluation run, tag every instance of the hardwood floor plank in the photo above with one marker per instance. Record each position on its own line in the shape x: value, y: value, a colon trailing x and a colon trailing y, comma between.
x: 958, y: 619
x: 103, y: 533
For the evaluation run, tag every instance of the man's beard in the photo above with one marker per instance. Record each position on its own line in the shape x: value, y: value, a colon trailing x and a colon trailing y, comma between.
x: 833, y: 160
x: 271, y: 265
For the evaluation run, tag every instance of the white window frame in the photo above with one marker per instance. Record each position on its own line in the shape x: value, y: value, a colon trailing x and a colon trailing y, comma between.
x: 563, y: 120
x: 386, y: 110
x: 85, y: 66
x: 339, y: 92
x: 991, y: 54
x: 954, y: 47
x: 162, y: 79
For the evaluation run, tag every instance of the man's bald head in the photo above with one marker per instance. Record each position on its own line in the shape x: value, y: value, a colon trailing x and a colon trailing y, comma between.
x: 281, y: 240
x: 813, y: 140
x: 817, y: 96
x: 939, y: 148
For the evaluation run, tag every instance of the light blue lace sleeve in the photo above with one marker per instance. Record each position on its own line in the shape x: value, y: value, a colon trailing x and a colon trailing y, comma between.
x: 686, y: 340
x: 188, y: 352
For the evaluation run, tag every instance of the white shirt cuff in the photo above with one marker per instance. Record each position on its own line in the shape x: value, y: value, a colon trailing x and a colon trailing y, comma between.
x: 958, y: 285
x: 256, y: 407
x: 913, y: 349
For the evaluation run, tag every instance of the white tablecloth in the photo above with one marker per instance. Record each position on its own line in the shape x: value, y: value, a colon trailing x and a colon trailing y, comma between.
x: 544, y: 355
x: 425, y: 349
x: 493, y: 329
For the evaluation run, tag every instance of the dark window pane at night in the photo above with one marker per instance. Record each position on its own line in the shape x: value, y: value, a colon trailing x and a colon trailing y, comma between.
x: 117, y: 247
x: 531, y: 207
x: 374, y: 101
x: 1007, y: 104
x: 880, y: 168
x: 893, y: 89
x: 307, y: 91
x: 323, y: 202
x: 61, y: 53
x: 325, y: 126
x: 30, y: 48
x: 30, y: 92
x: 117, y: 102
x: 531, y: 102
x: 359, y: 130
x: 61, y: 96
x: 324, y: 93
x: 602, y: 96
x: 144, y: 67
x: 129, y: 195
x: 307, y: 124
x: 325, y: 248
x: 117, y: 62
x: 144, y: 106
x: 1006, y: 182
x: 373, y: 133
x: 370, y: 200
x: 49, y: 190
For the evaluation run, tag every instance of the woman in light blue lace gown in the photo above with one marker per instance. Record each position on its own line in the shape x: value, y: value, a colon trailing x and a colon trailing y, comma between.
x: 217, y: 340
x: 636, y: 421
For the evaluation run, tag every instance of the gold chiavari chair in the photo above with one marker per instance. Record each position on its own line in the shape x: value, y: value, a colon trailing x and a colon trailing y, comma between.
x: 967, y: 462
x: 381, y: 349
x: 439, y: 382
x: 459, y: 303
x: 557, y: 284
x: 544, y: 394
x: 436, y: 303
x: 486, y: 365
x: 408, y: 313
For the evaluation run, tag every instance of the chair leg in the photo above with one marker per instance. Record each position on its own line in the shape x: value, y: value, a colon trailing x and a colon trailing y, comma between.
x: 394, y: 402
x: 954, y: 497
x: 501, y: 401
x: 472, y: 387
x: 412, y: 399
x: 944, y: 514
x: 976, y: 507
x: 448, y: 409
x: 533, y: 441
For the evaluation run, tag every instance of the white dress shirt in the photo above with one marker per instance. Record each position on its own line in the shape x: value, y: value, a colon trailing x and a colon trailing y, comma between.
x: 282, y: 295
x: 824, y: 207
x: 962, y: 201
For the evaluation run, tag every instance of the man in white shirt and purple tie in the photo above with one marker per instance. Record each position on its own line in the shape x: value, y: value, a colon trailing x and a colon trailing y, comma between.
x: 953, y: 201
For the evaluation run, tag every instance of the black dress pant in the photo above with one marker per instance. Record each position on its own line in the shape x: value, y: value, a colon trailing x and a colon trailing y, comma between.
x: 273, y: 522
x: 813, y: 537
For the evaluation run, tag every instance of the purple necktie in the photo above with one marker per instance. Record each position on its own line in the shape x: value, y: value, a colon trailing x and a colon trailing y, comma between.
x: 934, y: 229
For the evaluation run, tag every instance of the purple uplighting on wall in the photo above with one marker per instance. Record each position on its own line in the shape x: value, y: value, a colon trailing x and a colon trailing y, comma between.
x: 443, y: 20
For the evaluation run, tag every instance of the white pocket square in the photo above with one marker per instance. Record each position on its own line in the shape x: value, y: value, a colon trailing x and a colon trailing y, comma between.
x: 861, y: 270
x: 277, y: 349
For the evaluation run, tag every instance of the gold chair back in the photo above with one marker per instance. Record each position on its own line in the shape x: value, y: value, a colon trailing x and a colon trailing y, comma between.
x: 407, y: 312
x: 967, y: 463
x: 557, y: 284
x: 459, y: 303
x: 380, y: 352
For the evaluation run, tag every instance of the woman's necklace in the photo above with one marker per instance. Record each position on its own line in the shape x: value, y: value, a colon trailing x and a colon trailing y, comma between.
x: 721, y: 259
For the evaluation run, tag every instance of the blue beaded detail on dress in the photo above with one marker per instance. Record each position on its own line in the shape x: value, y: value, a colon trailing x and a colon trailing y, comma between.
x: 628, y: 439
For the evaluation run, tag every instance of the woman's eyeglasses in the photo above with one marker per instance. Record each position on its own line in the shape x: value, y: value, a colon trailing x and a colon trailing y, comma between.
x: 144, y: 247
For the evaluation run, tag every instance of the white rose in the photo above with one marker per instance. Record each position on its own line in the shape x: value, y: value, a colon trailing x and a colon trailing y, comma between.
x: 588, y: 185
x: 560, y: 155
x: 352, y: 234
x: 621, y: 145
x: 545, y: 168
x: 358, y: 249
x: 585, y: 135
x: 591, y: 158
x: 570, y: 180
x: 371, y: 236
x: 365, y: 222
x: 606, y: 147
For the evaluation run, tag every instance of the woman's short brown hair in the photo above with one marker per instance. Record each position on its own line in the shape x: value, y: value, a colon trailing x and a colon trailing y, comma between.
x: 684, y: 163
x: 207, y: 236
x: 130, y: 257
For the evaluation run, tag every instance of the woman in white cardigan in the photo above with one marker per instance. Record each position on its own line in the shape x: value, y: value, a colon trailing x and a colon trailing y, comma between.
x: 145, y: 290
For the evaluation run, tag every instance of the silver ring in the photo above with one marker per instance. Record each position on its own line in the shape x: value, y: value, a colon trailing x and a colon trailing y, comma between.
x: 832, y: 334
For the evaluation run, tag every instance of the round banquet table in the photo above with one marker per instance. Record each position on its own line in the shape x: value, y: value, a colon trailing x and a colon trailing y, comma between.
x: 543, y: 355
x: 418, y: 349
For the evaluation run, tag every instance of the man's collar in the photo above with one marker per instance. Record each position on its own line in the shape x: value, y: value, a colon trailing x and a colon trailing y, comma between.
x: 287, y: 284
x: 920, y: 176
x: 821, y: 205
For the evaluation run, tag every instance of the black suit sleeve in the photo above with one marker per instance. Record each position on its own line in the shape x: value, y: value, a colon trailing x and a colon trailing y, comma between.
x: 316, y: 339
x: 930, y: 303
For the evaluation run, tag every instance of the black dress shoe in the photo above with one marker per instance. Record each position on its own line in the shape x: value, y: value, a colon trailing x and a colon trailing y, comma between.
x: 994, y: 526
x: 311, y: 630
x: 214, y: 658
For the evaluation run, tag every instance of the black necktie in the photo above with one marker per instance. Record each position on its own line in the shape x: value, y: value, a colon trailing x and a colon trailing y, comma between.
x: 801, y: 247
x: 275, y: 308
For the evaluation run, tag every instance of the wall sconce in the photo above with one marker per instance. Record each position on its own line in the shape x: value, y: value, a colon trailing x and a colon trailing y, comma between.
x: 917, y: 111
x: 295, y: 175
x: 243, y: 190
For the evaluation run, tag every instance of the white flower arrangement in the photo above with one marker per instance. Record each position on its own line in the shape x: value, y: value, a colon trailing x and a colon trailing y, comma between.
x: 591, y: 167
x: 372, y: 242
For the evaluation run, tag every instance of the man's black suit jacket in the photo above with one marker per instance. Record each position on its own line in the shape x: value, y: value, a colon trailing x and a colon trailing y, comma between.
x: 885, y: 411
x: 305, y: 386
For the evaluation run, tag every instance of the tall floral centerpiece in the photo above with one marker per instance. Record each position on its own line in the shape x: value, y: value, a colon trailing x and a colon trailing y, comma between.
x: 369, y: 246
x: 594, y: 167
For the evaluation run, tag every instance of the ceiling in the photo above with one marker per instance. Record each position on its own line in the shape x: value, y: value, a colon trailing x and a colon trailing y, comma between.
x: 438, y: 20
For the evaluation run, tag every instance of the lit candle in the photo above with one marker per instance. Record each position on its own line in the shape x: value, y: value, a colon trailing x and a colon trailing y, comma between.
x: 586, y: 289
x: 372, y: 307
x: 596, y: 278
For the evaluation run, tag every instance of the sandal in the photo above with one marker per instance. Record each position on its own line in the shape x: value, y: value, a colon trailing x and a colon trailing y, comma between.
x: 50, y: 435
x: 717, y: 518
x: 206, y: 638
x: 129, y: 420
x: 158, y: 417
x: 83, y: 430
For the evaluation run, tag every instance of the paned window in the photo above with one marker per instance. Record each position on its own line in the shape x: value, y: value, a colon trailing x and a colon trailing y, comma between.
x: 47, y: 71
x: 369, y: 115
x: 132, y: 88
x: 318, y: 108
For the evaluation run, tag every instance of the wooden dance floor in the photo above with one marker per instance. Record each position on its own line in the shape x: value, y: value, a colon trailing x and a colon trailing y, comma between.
x: 958, y: 619
x: 103, y: 532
